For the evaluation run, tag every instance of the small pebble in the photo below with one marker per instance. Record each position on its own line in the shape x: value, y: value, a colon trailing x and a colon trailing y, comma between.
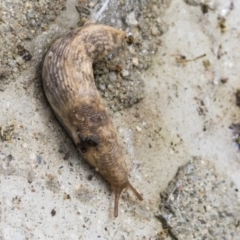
x: 19, y: 60
x: 112, y: 76
x: 110, y: 86
x: 102, y: 86
x: 154, y: 31
x: 91, y: 4
x: 125, y: 73
x: 135, y: 61
x: 53, y: 212
x: 139, y: 129
x: 122, y: 2
x: 131, y: 19
x: 39, y: 159
x: 24, y: 145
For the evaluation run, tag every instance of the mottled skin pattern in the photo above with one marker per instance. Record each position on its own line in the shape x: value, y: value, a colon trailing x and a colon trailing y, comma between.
x: 70, y: 89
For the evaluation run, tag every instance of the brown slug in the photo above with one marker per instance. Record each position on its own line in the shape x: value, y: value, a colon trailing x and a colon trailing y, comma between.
x: 69, y: 85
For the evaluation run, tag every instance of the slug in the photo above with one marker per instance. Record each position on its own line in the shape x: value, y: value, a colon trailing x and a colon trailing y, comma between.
x: 69, y: 86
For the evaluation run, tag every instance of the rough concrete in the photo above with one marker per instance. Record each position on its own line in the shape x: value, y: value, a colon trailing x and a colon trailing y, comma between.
x: 48, y: 192
x: 199, y: 204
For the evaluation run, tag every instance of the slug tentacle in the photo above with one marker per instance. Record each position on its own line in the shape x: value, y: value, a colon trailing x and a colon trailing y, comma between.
x: 117, y: 193
x: 135, y: 192
x: 69, y: 86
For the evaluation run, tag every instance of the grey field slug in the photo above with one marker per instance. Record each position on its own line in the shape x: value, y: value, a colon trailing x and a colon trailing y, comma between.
x: 69, y: 86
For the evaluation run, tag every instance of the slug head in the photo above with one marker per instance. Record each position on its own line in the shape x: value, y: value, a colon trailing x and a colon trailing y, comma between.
x: 103, y: 40
x: 117, y: 192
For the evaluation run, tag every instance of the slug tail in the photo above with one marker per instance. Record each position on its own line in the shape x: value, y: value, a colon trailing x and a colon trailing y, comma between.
x: 135, y: 192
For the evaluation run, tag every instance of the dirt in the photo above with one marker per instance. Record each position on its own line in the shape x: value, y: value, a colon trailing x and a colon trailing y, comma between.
x: 20, y: 22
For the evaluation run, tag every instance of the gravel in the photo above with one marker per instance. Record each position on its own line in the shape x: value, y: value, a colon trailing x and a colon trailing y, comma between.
x: 122, y: 71
x: 200, y: 203
x: 20, y: 22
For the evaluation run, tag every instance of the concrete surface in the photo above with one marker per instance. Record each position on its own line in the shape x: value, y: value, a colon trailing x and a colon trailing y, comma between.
x: 186, y: 111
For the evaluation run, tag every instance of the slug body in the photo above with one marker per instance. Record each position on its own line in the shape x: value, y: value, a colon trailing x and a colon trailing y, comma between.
x: 69, y: 85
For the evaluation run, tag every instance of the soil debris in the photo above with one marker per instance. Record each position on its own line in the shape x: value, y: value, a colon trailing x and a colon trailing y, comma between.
x: 6, y: 132
x: 238, y: 98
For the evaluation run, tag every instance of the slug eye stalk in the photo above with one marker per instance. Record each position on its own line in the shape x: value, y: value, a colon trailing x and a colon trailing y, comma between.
x: 117, y: 193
